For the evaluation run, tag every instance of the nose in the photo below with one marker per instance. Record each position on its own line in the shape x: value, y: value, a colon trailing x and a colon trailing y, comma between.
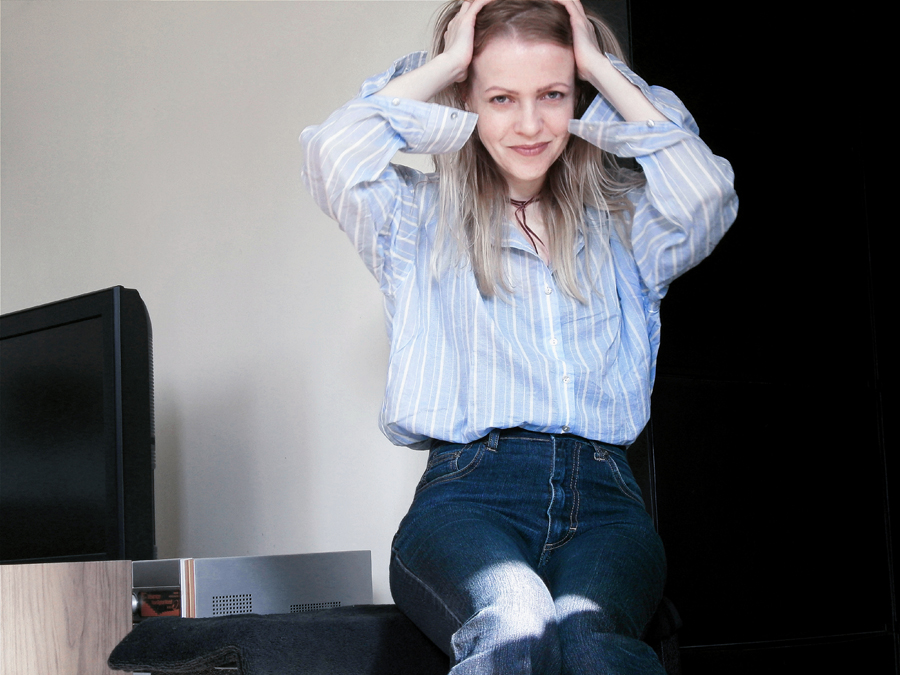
x: 529, y: 122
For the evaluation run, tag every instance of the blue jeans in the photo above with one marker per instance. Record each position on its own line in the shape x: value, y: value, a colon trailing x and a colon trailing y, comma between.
x: 531, y: 553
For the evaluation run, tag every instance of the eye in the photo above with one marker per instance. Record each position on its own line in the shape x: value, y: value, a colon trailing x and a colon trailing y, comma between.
x: 554, y: 95
x: 500, y: 99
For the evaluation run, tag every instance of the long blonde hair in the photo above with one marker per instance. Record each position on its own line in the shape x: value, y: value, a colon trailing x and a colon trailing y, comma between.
x: 473, y: 193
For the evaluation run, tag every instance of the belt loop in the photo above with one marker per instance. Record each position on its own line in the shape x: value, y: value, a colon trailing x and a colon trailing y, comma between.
x: 600, y: 453
x: 494, y: 439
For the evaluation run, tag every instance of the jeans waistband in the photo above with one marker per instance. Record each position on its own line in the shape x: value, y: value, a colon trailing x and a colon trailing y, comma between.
x: 493, y: 439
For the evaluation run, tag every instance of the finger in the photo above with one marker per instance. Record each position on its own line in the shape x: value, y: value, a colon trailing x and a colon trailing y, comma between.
x: 470, y: 8
x: 576, y: 12
x: 464, y: 17
x: 462, y: 27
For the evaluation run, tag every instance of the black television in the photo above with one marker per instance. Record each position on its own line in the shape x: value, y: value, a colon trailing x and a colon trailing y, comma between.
x: 77, y: 441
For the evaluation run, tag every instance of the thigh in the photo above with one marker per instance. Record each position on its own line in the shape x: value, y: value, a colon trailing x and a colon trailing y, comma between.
x: 614, y: 578
x: 472, y: 537
x: 461, y: 565
x: 607, y: 581
x: 606, y: 589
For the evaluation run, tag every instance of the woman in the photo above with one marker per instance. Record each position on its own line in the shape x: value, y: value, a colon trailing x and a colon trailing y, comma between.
x: 522, y: 283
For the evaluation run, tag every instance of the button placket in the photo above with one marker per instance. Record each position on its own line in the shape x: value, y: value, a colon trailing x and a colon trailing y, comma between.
x: 565, y: 382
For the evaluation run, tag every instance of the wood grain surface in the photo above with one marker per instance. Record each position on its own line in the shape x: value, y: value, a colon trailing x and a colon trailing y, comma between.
x: 62, y: 618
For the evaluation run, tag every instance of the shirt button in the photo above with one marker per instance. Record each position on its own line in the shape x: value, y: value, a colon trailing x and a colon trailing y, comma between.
x: 548, y: 290
x: 396, y: 101
x: 553, y: 341
x: 565, y: 428
x: 566, y: 378
x: 651, y: 123
x: 452, y: 116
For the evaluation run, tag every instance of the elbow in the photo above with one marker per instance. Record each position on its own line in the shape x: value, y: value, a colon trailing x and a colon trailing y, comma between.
x: 311, y: 145
x: 314, y: 168
x: 717, y: 205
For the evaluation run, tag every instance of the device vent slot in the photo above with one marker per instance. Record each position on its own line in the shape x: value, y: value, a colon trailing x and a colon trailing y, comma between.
x: 232, y: 604
x: 313, y: 606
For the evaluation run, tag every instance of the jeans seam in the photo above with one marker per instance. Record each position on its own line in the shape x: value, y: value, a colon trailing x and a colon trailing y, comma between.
x: 458, y: 473
x: 601, y: 454
x: 442, y: 458
x: 573, y: 512
x: 427, y: 588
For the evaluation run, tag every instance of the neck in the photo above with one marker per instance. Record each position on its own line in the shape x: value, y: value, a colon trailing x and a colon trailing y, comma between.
x: 524, y: 190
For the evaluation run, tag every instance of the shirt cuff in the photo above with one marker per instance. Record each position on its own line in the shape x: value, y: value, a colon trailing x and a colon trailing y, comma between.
x: 603, y: 126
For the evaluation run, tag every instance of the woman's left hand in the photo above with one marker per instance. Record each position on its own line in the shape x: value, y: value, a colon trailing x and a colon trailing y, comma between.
x: 584, y: 41
x: 592, y: 65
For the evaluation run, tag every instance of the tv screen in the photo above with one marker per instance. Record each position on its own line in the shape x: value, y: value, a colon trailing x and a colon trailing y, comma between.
x: 77, y: 439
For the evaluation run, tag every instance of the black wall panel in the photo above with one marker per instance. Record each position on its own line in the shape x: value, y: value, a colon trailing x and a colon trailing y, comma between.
x: 768, y: 462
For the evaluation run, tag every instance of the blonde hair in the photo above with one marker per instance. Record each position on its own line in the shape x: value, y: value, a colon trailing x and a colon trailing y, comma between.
x: 474, y: 195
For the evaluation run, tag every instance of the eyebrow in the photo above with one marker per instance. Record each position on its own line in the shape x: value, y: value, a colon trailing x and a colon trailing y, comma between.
x: 554, y: 85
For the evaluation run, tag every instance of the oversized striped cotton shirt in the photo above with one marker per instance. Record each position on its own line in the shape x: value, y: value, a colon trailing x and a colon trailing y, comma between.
x: 462, y: 364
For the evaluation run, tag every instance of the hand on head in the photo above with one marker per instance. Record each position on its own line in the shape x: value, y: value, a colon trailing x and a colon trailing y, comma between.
x: 459, y: 36
x: 584, y: 38
x: 455, y: 51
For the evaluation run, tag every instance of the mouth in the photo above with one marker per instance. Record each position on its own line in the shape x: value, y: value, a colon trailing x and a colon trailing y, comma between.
x: 530, y: 150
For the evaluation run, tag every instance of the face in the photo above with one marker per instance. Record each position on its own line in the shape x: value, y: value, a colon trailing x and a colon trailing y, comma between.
x: 524, y: 94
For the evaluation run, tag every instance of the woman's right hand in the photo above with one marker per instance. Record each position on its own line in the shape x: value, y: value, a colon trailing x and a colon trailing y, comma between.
x: 448, y: 67
x: 459, y: 38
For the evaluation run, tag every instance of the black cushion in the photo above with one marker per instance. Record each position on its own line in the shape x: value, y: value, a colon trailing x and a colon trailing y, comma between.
x: 359, y: 640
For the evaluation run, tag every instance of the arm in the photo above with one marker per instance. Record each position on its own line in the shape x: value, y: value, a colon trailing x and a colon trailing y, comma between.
x: 448, y: 67
x: 347, y: 167
x: 347, y: 163
x: 595, y: 67
x: 688, y: 201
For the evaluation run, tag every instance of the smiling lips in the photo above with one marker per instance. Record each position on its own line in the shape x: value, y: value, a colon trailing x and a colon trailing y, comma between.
x: 530, y: 150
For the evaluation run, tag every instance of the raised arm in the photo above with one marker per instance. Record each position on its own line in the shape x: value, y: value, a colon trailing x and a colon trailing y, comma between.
x: 347, y: 163
x: 689, y: 201
x: 595, y: 67
x: 446, y: 68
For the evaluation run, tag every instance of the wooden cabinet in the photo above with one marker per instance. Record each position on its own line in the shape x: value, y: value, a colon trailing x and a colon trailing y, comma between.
x: 62, y: 618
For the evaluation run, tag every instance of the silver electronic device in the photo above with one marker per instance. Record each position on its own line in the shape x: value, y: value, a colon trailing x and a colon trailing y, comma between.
x: 268, y: 584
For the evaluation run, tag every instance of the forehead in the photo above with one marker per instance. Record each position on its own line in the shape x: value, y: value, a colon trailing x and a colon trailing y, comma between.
x: 522, y: 64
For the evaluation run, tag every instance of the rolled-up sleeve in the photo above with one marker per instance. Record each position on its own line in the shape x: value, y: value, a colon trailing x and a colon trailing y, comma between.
x: 347, y: 162
x: 688, y: 201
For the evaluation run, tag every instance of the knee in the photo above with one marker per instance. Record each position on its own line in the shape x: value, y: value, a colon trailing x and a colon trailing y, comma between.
x: 579, y: 616
x: 509, y: 636
x: 514, y: 628
x: 602, y: 639
x: 510, y: 596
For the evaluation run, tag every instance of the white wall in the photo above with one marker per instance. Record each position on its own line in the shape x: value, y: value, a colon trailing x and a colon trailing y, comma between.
x: 154, y: 145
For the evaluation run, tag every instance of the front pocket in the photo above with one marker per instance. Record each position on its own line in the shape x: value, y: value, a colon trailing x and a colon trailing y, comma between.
x: 451, y: 461
x: 604, y: 456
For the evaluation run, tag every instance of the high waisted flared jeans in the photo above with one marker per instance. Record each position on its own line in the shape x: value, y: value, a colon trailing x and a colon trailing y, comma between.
x: 531, y: 553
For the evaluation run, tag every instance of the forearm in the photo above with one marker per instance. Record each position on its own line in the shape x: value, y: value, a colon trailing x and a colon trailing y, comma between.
x: 447, y: 67
x: 625, y: 97
x: 424, y: 82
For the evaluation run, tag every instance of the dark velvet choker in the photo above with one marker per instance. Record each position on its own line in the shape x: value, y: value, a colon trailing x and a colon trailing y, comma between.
x: 520, y: 219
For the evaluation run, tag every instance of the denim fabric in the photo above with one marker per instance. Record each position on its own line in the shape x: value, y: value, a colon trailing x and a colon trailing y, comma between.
x: 531, y: 553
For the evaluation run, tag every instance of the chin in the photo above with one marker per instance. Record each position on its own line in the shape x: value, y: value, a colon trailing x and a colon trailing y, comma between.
x: 521, y: 175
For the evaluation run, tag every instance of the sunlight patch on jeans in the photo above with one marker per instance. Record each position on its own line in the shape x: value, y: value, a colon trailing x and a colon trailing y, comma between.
x: 570, y: 605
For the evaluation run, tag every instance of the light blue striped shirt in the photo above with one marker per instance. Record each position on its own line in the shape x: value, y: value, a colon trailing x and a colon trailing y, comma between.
x: 462, y: 364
